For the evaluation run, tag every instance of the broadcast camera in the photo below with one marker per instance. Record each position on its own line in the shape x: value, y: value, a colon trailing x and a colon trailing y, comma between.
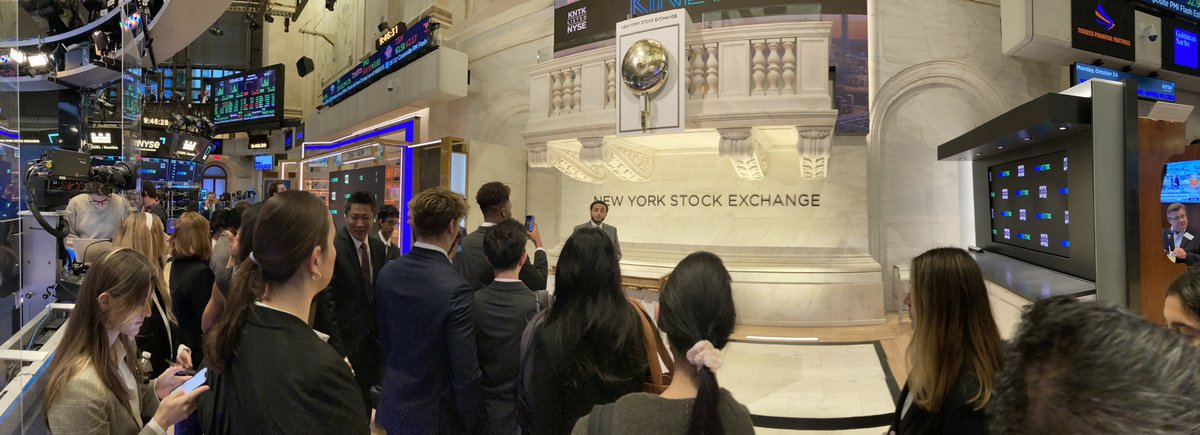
x: 60, y: 174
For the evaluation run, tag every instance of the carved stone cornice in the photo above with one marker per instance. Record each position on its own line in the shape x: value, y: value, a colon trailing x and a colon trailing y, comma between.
x: 568, y: 162
x: 628, y: 163
x: 747, y: 155
x: 814, y: 147
x: 540, y: 155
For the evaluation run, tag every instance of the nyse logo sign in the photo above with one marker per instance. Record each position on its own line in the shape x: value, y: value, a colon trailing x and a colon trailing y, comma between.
x: 150, y: 145
x: 577, y: 20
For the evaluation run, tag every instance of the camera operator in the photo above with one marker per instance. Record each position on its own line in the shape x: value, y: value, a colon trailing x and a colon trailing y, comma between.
x: 98, y: 213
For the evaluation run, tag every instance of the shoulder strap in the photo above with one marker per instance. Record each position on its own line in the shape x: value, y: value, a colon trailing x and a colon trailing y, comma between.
x: 654, y: 345
x: 600, y: 422
x: 524, y: 396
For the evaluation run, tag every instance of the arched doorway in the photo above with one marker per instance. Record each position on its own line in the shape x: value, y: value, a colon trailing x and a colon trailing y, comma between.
x: 214, y: 179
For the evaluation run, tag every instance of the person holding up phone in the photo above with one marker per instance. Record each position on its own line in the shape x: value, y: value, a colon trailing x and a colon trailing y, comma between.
x: 494, y: 203
x: 92, y: 386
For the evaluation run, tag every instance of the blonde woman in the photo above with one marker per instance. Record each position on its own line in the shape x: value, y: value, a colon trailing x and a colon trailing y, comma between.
x: 160, y: 335
x: 955, y: 351
x: 92, y: 387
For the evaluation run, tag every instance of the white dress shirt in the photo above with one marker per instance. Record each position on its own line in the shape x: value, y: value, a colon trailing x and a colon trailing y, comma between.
x: 431, y: 247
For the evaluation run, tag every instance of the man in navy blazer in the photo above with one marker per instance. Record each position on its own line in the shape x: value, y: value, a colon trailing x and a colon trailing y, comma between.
x: 431, y: 369
x: 1180, y: 244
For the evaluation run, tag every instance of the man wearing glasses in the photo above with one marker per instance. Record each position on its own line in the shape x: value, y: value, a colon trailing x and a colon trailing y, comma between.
x: 98, y: 213
x: 1180, y: 244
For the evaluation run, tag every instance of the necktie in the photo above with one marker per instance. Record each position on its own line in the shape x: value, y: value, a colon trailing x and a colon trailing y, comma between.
x: 364, y: 261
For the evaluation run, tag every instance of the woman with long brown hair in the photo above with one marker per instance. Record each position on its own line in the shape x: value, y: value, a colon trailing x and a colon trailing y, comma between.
x: 269, y: 370
x: 191, y: 279
x: 92, y: 387
x: 955, y: 351
x: 160, y: 334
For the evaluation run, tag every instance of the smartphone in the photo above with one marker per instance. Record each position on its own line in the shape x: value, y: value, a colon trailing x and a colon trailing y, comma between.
x: 529, y: 221
x: 195, y: 382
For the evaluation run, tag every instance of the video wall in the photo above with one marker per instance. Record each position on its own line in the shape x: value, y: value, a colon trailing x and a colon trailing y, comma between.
x: 343, y: 183
x: 1029, y: 203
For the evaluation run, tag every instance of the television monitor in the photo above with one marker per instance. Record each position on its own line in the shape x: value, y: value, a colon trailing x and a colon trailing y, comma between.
x: 415, y: 42
x: 1104, y: 27
x: 343, y: 183
x: 1180, y: 47
x: 154, y: 169
x: 1029, y: 203
x: 248, y: 98
x: 183, y: 171
x: 264, y: 163
x: 1181, y: 182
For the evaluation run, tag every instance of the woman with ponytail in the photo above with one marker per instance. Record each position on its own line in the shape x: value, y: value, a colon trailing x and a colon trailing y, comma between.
x: 696, y: 312
x: 270, y: 372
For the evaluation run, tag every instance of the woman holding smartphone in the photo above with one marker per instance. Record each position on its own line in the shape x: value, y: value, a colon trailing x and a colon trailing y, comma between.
x: 92, y: 386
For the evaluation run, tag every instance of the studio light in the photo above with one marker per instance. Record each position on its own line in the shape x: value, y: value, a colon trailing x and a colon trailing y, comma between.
x: 383, y: 26
x: 329, y: 4
x: 16, y: 55
x: 38, y: 60
x: 268, y: 18
x: 216, y: 32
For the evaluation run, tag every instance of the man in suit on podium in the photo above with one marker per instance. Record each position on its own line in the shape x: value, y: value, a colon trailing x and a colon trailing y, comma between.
x: 388, y: 219
x: 599, y: 212
x: 431, y: 369
x: 346, y: 309
x: 494, y: 203
x: 1180, y: 244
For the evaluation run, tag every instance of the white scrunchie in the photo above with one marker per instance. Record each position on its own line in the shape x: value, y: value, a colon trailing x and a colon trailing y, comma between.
x: 704, y: 354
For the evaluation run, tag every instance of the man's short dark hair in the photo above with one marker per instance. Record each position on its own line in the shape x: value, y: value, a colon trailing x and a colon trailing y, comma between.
x: 361, y: 197
x: 388, y: 211
x: 504, y: 244
x: 1187, y: 289
x: 491, y: 196
x: 1086, y: 367
x: 149, y: 191
x: 598, y: 202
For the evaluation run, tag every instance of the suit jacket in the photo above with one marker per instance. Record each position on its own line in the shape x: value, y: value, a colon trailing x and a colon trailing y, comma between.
x: 283, y: 380
x: 1192, y: 247
x: 153, y: 338
x: 502, y: 309
x: 393, y: 251
x: 431, y: 369
x: 85, y: 405
x: 610, y: 230
x: 473, y: 264
x: 956, y: 416
x: 191, y: 287
x: 346, y: 309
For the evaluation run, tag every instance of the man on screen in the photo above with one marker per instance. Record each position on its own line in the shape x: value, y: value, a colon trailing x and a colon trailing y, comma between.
x: 1180, y: 245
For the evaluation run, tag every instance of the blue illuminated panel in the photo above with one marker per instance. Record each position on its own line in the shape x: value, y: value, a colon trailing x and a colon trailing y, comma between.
x: 1147, y: 88
x: 401, y: 51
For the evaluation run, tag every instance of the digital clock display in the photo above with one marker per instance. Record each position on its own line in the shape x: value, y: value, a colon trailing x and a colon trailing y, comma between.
x: 414, y: 43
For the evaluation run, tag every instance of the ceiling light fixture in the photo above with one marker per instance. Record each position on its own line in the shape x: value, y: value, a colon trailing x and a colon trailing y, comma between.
x: 38, y: 60
x: 1063, y: 128
x: 16, y: 55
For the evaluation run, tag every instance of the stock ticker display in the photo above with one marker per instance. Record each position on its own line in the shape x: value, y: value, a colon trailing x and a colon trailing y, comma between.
x: 250, y: 96
x: 407, y: 47
x: 1028, y: 200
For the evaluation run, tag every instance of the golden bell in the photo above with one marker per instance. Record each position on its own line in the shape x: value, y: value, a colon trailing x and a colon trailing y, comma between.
x: 645, y: 67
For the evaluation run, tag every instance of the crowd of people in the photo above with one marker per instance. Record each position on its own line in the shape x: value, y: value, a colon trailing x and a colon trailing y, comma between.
x: 308, y: 328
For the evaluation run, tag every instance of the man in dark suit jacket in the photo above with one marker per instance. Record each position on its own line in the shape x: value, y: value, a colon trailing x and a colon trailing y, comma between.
x: 599, y: 211
x: 346, y: 309
x: 501, y: 311
x: 387, y: 220
x: 493, y: 200
x: 1178, y: 243
x: 431, y: 369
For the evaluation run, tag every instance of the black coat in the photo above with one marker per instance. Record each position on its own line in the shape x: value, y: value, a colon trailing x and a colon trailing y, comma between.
x: 475, y: 268
x: 559, y: 399
x: 502, y: 309
x: 284, y: 380
x: 346, y: 309
x: 956, y: 416
x: 191, y: 286
x: 431, y: 369
x: 1191, y: 246
x: 153, y: 338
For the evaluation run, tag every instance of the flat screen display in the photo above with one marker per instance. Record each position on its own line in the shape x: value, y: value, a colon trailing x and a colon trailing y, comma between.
x: 343, y: 183
x: 249, y: 96
x: 1147, y: 88
x: 155, y: 169
x: 1187, y: 8
x: 1181, y: 182
x: 1103, y: 27
x: 183, y: 171
x: 1180, y: 47
x: 264, y: 163
x: 1029, y: 206
x: 414, y: 43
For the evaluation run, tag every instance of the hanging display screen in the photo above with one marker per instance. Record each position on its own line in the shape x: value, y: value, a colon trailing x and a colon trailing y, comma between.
x: 1147, y: 88
x: 1029, y: 204
x: 1103, y: 27
x: 1180, y: 47
x: 1187, y: 8
x: 416, y: 42
x: 248, y: 97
